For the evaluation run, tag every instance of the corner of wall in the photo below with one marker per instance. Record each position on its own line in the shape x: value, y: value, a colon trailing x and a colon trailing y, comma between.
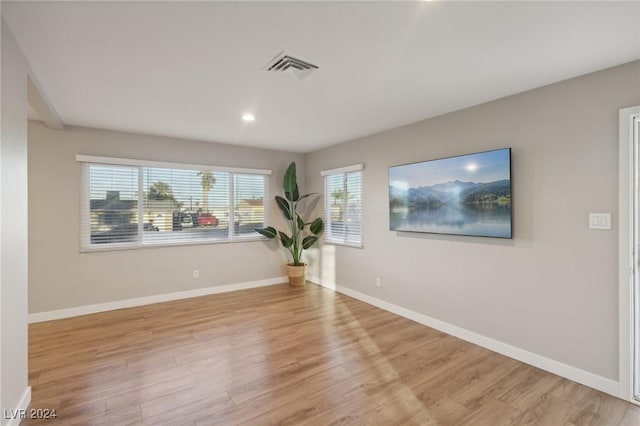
x: 13, y: 238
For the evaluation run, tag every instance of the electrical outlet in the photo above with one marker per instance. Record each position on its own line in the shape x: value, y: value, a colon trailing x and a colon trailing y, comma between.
x: 378, y: 284
x: 196, y: 274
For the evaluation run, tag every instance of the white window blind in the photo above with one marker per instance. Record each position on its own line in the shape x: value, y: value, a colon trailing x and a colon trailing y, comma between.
x: 177, y: 205
x: 111, y: 213
x: 249, y: 195
x: 343, y: 206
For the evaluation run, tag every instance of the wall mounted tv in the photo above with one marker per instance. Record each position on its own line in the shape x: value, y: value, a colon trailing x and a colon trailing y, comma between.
x: 463, y: 195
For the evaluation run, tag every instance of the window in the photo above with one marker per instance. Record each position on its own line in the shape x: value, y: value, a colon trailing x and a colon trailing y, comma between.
x: 129, y: 203
x: 343, y: 205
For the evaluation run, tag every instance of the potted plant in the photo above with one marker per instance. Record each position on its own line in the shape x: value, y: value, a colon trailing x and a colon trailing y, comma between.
x: 298, y: 238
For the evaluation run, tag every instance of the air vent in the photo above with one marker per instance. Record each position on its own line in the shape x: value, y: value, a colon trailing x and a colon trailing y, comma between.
x: 288, y: 64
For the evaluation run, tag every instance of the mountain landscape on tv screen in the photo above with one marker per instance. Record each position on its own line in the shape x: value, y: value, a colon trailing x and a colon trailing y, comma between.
x: 455, y: 207
x: 441, y: 194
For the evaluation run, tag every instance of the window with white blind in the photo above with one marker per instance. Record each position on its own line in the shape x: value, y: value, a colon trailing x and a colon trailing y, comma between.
x: 343, y: 191
x: 131, y: 203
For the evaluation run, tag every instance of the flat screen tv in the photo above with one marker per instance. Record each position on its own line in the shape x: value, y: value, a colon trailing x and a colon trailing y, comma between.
x: 463, y: 195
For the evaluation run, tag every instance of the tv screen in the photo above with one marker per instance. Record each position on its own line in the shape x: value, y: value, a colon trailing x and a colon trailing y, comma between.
x: 463, y: 195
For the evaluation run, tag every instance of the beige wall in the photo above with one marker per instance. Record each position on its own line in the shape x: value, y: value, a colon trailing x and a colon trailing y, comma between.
x: 13, y: 227
x: 552, y: 290
x: 62, y: 277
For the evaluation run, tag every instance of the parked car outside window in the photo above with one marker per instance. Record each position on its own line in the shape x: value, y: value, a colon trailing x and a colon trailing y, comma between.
x: 207, y: 219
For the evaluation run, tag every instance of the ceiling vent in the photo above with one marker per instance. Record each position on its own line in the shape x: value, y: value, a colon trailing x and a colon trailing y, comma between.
x: 286, y: 63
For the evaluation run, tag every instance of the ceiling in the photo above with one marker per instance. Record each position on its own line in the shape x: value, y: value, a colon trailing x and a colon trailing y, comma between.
x: 191, y: 70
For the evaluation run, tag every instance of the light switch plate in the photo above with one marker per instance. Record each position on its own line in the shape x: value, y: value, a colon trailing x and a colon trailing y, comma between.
x: 600, y: 221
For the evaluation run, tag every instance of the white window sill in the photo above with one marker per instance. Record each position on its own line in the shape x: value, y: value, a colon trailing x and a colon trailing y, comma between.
x: 120, y: 247
x: 343, y: 244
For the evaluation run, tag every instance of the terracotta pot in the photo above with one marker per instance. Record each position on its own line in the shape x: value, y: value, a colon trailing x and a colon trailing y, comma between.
x: 297, y: 275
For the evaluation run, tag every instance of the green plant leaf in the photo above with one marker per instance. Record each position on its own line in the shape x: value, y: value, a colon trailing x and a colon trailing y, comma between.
x: 285, y: 239
x: 309, y: 241
x: 317, y: 226
x: 269, y: 231
x: 284, y: 207
x: 300, y: 223
x: 290, y: 183
x: 295, y: 196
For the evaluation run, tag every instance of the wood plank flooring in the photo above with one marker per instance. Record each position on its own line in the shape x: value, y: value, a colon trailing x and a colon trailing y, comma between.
x: 279, y: 355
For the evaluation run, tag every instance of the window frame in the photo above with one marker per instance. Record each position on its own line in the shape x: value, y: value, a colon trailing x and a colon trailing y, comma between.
x: 85, y: 211
x: 344, y: 171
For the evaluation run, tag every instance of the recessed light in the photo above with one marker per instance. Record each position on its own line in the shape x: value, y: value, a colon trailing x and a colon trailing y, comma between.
x: 248, y: 117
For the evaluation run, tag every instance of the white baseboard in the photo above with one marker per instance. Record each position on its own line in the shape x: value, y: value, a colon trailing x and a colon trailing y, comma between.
x: 14, y: 417
x: 591, y: 380
x: 148, y: 300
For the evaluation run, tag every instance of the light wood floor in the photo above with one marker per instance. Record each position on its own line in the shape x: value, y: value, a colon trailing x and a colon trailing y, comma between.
x: 278, y: 355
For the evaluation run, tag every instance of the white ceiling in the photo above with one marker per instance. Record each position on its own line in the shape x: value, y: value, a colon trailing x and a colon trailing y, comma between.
x: 191, y: 70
